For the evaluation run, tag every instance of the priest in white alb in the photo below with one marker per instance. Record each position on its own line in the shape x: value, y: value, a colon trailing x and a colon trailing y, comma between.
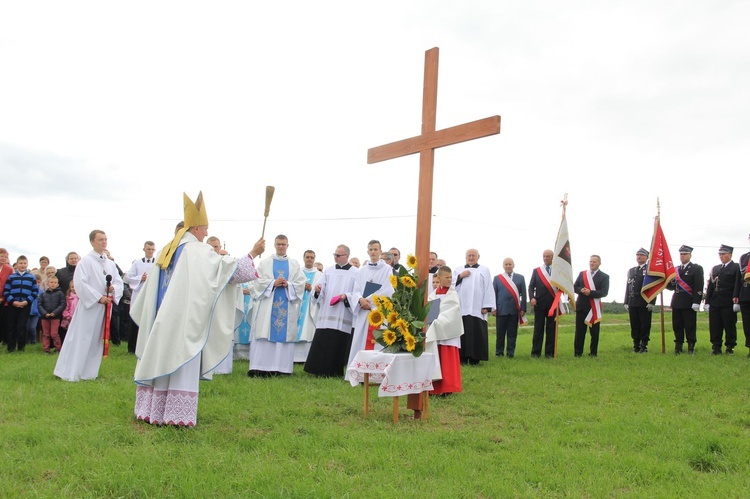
x: 308, y: 310
x: 277, y: 296
x: 185, y: 314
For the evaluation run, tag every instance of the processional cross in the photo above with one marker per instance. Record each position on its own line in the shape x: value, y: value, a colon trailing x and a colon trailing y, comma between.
x: 425, y: 144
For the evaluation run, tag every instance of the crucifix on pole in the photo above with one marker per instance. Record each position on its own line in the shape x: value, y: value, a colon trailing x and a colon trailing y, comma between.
x: 425, y: 144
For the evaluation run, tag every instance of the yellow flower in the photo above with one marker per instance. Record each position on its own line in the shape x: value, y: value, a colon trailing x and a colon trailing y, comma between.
x: 411, y: 342
x: 394, y: 281
x: 389, y: 337
x: 376, y: 318
x: 376, y: 300
x: 402, y: 326
x: 386, y: 303
x: 408, y: 282
x: 392, y: 317
x: 411, y: 261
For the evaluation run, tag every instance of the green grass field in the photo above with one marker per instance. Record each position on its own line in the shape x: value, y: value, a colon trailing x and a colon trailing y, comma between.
x: 621, y: 424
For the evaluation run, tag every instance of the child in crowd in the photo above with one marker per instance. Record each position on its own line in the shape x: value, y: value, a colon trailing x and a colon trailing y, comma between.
x: 51, y: 307
x: 70, y: 308
x: 33, y: 321
x: 19, y: 293
x: 50, y: 271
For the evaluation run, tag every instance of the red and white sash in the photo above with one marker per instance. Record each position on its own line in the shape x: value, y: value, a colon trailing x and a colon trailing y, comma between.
x: 595, y: 314
x: 545, y: 280
x: 513, y: 290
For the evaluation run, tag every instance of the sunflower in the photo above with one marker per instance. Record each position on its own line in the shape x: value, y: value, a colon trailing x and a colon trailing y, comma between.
x: 389, y: 337
x: 411, y: 261
x: 386, y: 303
x: 402, y: 326
x: 411, y: 342
x: 375, y: 318
x: 408, y: 282
x: 394, y: 281
x: 392, y: 317
x: 376, y: 300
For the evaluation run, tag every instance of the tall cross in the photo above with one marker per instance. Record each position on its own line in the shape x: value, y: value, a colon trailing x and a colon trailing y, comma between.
x: 425, y: 144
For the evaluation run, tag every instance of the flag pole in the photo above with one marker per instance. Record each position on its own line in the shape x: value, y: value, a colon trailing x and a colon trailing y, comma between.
x: 661, y: 293
x: 557, y: 314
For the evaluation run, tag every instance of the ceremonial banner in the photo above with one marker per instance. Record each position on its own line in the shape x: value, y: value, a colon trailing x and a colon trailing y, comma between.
x: 562, y: 267
x: 660, y: 269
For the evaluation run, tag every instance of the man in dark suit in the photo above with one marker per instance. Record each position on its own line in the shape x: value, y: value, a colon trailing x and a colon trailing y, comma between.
x: 510, y: 301
x: 639, y: 310
x: 742, y: 292
x: 541, y: 296
x: 591, y: 285
x: 686, y: 300
x: 721, y: 303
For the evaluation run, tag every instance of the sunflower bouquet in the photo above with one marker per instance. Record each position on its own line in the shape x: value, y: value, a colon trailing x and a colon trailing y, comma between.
x: 399, y: 320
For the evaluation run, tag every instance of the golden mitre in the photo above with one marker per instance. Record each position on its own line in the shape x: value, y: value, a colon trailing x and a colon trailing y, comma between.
x: 194, y: 213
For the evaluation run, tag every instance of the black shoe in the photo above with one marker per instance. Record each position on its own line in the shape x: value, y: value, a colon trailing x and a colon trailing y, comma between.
x: 535, y: 355
x: 578, y: 355
x: 500, y: 354
x: 592, y: 355
x: 730, y: 351
x: 644, y: 349
x: 510, y: 355
x: 716, y: 352
x: 636, y: 349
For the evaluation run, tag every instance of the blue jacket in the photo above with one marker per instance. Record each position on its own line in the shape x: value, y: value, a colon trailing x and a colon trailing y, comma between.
x: 21, y: 288
x: 504, y: 301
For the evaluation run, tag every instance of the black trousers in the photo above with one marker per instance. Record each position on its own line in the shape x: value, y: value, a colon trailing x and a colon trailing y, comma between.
x: 640, y: 325
x: 684, y: 322
x: 544, y: 331
x: 581, y: 335
x: 16, y: 322
x: 720, y: 320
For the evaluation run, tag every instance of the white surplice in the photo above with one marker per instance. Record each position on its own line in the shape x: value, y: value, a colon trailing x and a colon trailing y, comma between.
x: 308, y: 313
x: 81, y: 353
x: 378, y: 273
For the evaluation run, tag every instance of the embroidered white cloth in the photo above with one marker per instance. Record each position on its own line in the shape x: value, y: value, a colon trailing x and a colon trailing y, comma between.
x: 398, y: 373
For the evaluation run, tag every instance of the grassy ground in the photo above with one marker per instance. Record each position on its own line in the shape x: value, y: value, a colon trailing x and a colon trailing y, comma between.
x: 621, y: 424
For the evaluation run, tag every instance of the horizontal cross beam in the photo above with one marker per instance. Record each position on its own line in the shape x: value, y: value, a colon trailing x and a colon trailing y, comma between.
x: 436, y: 139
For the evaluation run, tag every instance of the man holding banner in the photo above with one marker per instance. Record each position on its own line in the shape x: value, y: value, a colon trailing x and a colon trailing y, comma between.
x: 686, y: 300
x: 591, y: 285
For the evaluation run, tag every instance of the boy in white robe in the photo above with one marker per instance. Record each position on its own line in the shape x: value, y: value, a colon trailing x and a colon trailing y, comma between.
x: 373, y: 273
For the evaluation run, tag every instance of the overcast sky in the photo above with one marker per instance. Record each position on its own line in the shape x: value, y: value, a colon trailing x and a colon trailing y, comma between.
x: 109, y: 111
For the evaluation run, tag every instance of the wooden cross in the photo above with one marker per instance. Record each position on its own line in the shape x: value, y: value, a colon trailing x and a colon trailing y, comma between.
x: 425, y: 144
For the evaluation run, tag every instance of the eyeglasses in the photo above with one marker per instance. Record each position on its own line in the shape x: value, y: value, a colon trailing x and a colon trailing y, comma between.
x: 337, y: 255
